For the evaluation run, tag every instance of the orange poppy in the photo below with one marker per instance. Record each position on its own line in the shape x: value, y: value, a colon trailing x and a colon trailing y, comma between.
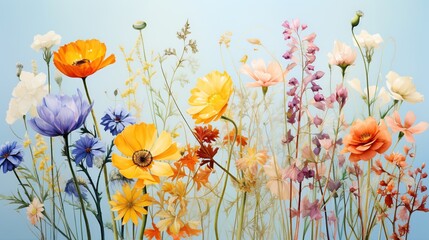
x: 82, y: 58
x: 366, y: 139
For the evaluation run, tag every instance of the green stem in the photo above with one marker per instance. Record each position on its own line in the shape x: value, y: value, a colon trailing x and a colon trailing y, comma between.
x: 366, y: 73
x: 226, y: 178
x: 141, y: 236
x: 66, y: 148
x: 51, y: 152
x: 106, y: 178
x: 241, y: 219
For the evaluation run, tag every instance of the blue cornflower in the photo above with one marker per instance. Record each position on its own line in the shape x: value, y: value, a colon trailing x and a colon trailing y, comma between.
x: 116, y: 120
x: 87, y: 148
x: 59, y: 115
x: 11, y: 156
x: 70, y: 188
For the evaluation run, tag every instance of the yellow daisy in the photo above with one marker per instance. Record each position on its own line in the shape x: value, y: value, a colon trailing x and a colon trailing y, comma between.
x: 130, y: 205
x: 143, y: 154
x: 210, y: 97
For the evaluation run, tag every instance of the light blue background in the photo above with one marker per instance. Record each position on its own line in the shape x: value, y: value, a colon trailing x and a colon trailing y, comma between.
x: 402, y: 24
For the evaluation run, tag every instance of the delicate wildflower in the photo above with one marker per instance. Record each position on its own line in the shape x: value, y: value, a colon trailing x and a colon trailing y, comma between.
x: 144, y: 154
x: 402, y: 88
x: 225, y: 39
x: 366, y: 139
x: 206, y: 134
x: 86, y: 148
x: 190, y: 159
x: 240, y: 139
x: 407, y: 128
x: 264, y: 76
x: 170, y: 219
x: 34, y: 211
x: 130, y: 205
x: 277, y: 184
x: 252, y: 159
x: 115, y: 120
x: 311, y: 209
x: 341, y: 95
x: 59, y: 115
x: 81, y: 58
x: 209, y: 99
x: 11, y: 156
x: 27, y: 94
x: 397, y: 159
x: 367, y: 40
x: 342, y: 55
x: 153, y: 233
x: 202, y: 177
x: 71, y: 190
x: 46, y: 41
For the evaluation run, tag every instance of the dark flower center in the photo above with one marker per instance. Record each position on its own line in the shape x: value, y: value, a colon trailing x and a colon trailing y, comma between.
x: 6, y: 155
x: 142, y: 158
x: 88, y: 150
x: 80, y: 62
x: 117, y: 119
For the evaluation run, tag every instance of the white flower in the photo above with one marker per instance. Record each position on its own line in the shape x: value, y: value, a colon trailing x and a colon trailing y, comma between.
x: 26, y: 95
x: 402, y: 88
x: 34, y: 211
x: 382, y: 97
x: 367, y: 40
x: 45, y: 41
x: 342, y: 55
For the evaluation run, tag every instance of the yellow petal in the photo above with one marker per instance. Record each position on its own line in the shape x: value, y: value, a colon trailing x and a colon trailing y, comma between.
x: 161, y: 169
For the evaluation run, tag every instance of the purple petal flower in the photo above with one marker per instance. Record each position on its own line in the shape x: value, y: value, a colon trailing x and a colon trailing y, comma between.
x: 87, y: 148
x: 116, y: 120
x: 59, y: 115
x: 11, y: 156
x: 71, y: 190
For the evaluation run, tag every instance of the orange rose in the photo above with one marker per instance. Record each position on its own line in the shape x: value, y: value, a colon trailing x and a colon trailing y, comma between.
x: 366, y: 139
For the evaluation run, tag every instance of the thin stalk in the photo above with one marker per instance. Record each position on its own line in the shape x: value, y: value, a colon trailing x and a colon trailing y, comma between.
x: 226, y: 178
x: 241, y: 219
x: 366, y: 73
x: 66, y: 148
x: 106, y: 179
x: 141, y: 236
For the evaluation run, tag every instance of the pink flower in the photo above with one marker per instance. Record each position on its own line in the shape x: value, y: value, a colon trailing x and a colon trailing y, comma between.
x: 264, y: 76
x: 311, y: 210
x: 407, y: 128
x: 34, y: 211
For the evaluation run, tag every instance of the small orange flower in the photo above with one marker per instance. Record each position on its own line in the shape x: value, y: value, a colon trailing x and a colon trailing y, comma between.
x: 366, y: 139
x: 82, y: 58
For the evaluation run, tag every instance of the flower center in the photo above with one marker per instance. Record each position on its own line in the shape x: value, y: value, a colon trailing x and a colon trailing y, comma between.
x: 6, y: 155
x: 80, y: 62
x: 88, y: 150
x: 365, y: 137
x: 117, y: 119
x: 142, y: 158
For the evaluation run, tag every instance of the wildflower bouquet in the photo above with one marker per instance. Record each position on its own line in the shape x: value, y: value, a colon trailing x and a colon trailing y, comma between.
x: 265, y: 152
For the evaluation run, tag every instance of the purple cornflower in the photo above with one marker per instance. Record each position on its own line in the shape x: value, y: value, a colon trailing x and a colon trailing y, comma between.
x: 59, y: 115
x: 116, y: 120
x: 70, y: 188
x: 11, y: 156
x: 87, y: 148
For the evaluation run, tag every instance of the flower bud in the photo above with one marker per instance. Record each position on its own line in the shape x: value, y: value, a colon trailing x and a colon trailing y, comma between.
x: 19, y: 68
x: 356, y: 19
x: 139, y: 25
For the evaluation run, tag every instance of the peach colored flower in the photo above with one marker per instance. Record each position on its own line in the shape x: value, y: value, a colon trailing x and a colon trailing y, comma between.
x: 342, y: 55
x: 366, y: 139
x: 34, y: 211
x: 264, y: 76
x: 407, y: 128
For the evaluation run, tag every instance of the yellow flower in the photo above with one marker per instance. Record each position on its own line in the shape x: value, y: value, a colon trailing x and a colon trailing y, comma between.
x: 130, y: 205
x: 210, y: 97
x: 144, y: 153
